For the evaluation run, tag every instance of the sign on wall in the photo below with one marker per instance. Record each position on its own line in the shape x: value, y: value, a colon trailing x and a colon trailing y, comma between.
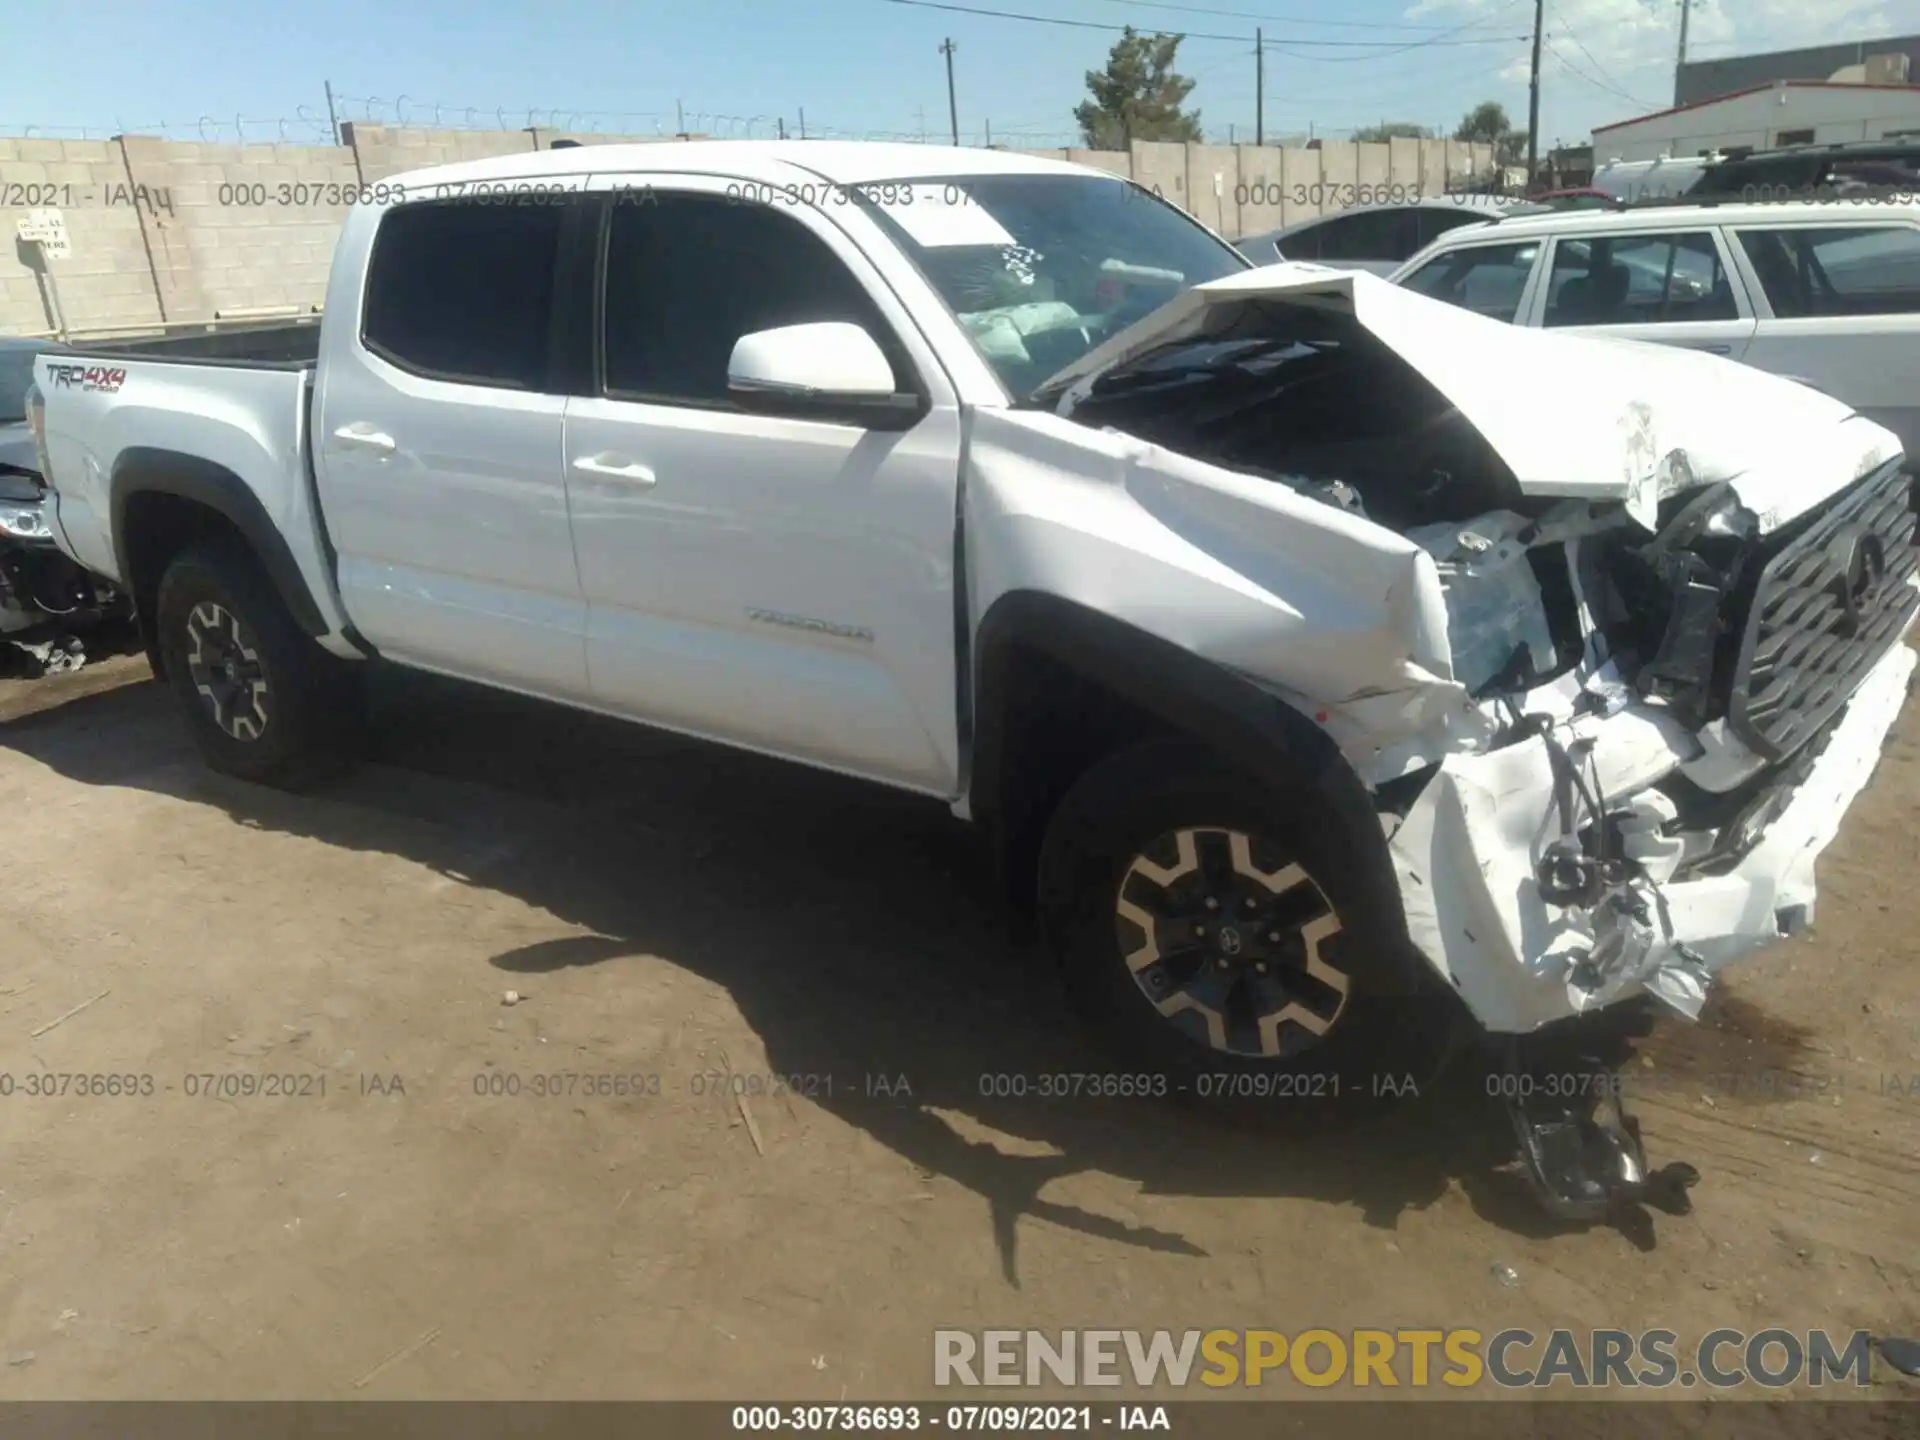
x: 48, y: 230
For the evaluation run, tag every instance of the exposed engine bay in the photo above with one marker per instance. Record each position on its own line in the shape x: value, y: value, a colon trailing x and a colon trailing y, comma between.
x: 1666, y: 700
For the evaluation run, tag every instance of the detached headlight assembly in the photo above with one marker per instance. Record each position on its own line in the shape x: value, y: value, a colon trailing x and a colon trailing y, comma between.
x: 24, y: 522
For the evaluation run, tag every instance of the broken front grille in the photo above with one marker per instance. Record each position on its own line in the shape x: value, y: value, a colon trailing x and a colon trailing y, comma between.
x: 1828, y: 605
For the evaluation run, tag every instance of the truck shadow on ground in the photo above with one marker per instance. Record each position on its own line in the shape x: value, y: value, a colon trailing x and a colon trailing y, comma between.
x: 855, y: 929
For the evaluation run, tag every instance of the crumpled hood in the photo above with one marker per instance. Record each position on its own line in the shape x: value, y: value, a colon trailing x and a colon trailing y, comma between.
x: 1570, y: 415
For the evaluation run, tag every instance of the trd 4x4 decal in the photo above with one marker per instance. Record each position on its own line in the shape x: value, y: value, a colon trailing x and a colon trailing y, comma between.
x: 87, y: 377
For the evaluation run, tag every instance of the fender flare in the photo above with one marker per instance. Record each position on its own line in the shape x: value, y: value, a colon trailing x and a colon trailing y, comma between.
x: 1256, y: 731
x: 1252, y: 729
x: 145, y: 470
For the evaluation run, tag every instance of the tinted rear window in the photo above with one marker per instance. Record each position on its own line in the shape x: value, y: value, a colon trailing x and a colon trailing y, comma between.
x: 464, y: 291
x: 1486, y: 279
x: 1847, y: 270
x: 1369, y: 235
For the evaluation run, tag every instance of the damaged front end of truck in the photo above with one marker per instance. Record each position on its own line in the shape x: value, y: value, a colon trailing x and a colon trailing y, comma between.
x: 1611, y: 632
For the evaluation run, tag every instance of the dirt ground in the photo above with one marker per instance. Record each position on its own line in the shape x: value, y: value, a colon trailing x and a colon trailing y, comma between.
x: 672, y: 913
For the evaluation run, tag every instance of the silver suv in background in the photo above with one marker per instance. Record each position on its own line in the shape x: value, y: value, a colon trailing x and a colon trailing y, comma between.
x: 1824, y: 293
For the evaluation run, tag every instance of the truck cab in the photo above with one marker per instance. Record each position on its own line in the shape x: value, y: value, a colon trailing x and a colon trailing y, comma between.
x: 1334, y: 672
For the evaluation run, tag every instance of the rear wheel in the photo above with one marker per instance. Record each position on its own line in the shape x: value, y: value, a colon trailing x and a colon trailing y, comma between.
x: 1228, y: 936
x: 263, y: 701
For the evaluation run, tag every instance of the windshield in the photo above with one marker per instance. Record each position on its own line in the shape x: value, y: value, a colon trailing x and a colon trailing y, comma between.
x: 1039, y: 269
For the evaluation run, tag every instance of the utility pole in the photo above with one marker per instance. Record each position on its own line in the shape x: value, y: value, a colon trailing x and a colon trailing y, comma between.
x: 333, y: 124
x: 679, y: 118
x: 803, y: 122
x: 1259, y: 88
x: 1680, y: 64
x: 783, y: 127
x: 1533, y: 93
x: 953, y: 106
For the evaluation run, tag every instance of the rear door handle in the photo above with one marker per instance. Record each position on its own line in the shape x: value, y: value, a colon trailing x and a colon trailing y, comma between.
x: 366, y: 437
x: 614, y: 467
x: 1716, y: 349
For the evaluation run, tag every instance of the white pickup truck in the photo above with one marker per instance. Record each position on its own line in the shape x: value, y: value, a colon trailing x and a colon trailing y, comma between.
x: 1326, y: 663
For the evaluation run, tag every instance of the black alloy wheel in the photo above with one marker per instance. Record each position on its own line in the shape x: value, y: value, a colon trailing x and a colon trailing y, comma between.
x: 224, y: 662
x: 1233, y: 942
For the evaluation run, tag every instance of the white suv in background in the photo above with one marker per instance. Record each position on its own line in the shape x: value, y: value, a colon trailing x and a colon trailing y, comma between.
x: 1827, y: 292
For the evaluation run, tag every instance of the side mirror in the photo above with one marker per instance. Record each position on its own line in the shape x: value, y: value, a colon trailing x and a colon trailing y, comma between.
x: 830, y: 370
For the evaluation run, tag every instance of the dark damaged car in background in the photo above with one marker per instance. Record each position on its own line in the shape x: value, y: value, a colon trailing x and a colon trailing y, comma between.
x: 47, y: 602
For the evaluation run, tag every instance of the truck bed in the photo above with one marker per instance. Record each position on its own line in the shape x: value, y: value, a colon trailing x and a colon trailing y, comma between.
x: 221, y: 425
x: 278, y: 345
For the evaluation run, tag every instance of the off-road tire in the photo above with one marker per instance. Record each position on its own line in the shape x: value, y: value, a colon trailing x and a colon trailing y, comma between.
x: 299, y: 719
x: 1392, y: 1026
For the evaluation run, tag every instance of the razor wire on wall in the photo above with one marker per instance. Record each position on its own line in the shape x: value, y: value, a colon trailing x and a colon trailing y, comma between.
x: 318, y: 125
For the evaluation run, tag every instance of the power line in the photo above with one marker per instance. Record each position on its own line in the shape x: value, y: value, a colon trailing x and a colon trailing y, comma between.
x: 1390, y: 47
x: 1614, y: 90
x: 1405, y: 47
x: 1400, y: 49
x: 1279, y: 19
x: 1599, y: 70
x: 1403, y: 97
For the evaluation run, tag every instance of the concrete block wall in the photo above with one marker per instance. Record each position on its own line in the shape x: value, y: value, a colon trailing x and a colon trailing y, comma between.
x: 1116, y: 162
x: 1247, y: 189
x: 249, y: 227
x: 383, y: 151
x: 106, y: 281
x: 171, y: 232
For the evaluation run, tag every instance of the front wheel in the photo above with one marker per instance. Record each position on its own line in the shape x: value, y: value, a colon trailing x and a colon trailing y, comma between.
x: 263, y: 701
x: 1231, y: 937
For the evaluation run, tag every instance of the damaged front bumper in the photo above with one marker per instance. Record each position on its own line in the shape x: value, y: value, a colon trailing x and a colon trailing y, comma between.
x: 1612, y: 671
x: 1474, y: 848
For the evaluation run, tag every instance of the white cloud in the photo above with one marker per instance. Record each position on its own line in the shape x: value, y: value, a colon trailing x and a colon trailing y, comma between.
x: 1608, y: 60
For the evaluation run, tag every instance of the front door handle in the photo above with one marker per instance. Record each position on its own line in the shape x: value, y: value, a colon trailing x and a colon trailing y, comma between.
x: 1715, y: 348
x: 366, y: 437
x: 614, y: 467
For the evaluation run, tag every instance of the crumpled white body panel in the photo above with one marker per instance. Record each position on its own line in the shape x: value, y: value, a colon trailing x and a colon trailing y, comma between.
x: 1305, y: 597
x: 1465, y: 858
x: 1570, y: 415
x: 1347, y: 620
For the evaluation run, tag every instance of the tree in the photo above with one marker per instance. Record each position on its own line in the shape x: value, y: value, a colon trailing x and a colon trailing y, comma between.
x: 1391, y: 130
x: 1138, y: 95
x: 1487, y: 124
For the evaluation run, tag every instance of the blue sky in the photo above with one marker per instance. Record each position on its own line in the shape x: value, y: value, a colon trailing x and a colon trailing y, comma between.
x: 856, y: 67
